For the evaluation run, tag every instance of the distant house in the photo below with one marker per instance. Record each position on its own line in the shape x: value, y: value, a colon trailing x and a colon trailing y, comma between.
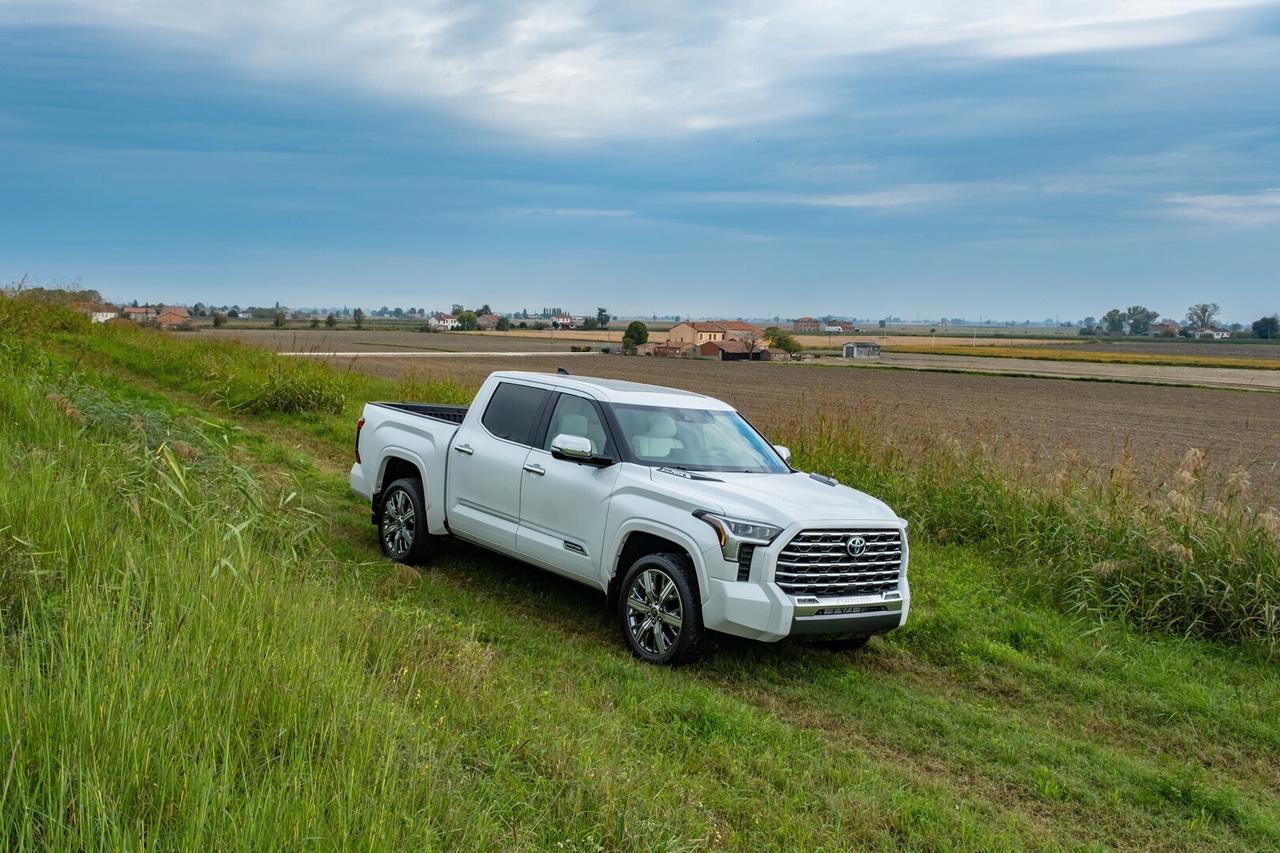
x: 1164, y: 330
x: 565, y: 321
x: 806, y: 324
x: 725, y: 350
x: 97, y: 313
x: 669, y: 351
x: 774, y: 354
x: 172, y: 317
x: 1215, y: 332
x: 442, y: 322
x: 861, y: 349
x: 139, y: 312
x: 488, y: 322
x: 699, y: 333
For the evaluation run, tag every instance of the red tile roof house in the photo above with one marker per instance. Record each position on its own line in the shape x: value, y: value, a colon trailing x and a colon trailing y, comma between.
x: 173, y: 317
x: 806, y: 324
x: 699, y: 333
x: 139, y: 312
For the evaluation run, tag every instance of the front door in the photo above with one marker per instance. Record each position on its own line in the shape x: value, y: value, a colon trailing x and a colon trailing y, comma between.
x: 564, y: 504
x: 486, y: 466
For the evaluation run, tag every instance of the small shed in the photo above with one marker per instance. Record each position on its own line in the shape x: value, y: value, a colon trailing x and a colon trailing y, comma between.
x: 726, y: 350
x: 861, y: 349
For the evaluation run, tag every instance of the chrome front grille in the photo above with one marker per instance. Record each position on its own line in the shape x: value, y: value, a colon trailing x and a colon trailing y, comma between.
x: 820, y: 562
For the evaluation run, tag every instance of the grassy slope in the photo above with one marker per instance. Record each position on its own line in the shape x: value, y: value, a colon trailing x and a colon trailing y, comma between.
x: 167, y: 677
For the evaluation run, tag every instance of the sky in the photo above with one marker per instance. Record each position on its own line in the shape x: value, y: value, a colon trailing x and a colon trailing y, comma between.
x: 922, y: 158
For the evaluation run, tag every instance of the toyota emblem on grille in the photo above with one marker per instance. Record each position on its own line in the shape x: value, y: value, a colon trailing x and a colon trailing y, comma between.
x: 855, y: 546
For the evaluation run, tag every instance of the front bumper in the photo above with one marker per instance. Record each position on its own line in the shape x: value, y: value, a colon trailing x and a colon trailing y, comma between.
x: 759, y: 609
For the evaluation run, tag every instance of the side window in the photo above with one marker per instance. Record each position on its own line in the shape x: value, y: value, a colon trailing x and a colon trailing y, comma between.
x: 513, y: 410
x: 578, y: 416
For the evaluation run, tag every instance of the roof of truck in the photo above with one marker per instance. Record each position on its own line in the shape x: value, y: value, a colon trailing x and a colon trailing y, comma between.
x: 620, y: 390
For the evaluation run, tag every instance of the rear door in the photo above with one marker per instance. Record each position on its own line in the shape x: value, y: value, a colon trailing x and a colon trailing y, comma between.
x: 563, y: 504
x: 486, y: 465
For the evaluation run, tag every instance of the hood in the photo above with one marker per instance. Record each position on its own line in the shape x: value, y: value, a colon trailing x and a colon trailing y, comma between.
x: 777, y: 498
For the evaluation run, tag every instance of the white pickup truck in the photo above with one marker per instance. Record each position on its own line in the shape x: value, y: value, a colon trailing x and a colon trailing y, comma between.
x: 669, y: 502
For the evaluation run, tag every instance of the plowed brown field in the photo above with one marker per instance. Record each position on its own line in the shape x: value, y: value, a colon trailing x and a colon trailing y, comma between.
x: 1041, y: 419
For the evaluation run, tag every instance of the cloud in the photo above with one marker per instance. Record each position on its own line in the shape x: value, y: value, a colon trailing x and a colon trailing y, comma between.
x: 577, y: 69
x: 1242, y: 210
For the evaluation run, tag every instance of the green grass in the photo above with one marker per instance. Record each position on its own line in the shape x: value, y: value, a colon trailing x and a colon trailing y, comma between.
x: 203, y: 648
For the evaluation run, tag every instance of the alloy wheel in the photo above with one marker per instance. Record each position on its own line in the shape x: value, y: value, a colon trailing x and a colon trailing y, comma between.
x: 654, y: 611
x: 399, y: 523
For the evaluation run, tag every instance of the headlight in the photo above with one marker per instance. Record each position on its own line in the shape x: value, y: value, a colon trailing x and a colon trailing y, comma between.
x: 733, y: 532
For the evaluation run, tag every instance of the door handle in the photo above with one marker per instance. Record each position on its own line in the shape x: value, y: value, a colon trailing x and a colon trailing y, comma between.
x: 464, y: 448
x: 535, y: 469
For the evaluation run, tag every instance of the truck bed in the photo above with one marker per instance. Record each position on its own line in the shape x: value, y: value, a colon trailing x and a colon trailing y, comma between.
x: 451, y: 414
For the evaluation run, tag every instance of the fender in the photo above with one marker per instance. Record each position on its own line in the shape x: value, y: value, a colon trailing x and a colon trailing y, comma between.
x: 666, y: 531
x: 432, y: 487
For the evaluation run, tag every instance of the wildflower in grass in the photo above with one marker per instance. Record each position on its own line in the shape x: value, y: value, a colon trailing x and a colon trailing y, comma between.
x: 1180, y: 551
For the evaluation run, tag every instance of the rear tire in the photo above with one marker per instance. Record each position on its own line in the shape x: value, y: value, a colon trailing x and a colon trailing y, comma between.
x: 402, y: 523
x: 659, y: 610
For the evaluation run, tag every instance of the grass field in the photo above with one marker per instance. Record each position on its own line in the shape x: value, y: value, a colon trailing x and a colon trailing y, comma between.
x: 203, y: 648
x: 1207, y: 358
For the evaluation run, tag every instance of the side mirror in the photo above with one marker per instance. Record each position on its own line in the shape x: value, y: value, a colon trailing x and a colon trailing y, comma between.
x: 784, y: 452
x: 574, y: 448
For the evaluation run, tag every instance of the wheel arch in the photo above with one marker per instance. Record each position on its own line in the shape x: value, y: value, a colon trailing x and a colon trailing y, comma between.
x: 642, y: 537
x: 396, y: 464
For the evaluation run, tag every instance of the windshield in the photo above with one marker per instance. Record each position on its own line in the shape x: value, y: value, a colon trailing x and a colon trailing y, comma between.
x: 696, y: 440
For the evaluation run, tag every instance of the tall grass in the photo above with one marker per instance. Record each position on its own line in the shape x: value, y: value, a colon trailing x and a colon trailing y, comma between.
x: 239, y: 377
x: 1178, y: 560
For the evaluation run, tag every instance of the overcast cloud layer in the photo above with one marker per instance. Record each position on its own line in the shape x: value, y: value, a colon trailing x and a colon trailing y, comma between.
x: 987, y: 158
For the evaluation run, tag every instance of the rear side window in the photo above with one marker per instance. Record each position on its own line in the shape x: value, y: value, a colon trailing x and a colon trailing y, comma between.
x: 513, y: 410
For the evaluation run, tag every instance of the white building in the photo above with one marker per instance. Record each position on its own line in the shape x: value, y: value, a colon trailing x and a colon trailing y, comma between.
x: 442, y: 322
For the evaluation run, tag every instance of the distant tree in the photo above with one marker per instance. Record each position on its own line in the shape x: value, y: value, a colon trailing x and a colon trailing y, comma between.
x: 1267, y: 327
x: 484, y: 309
x: 590, y: 324
x: 357, y: 317
x: 234, y: 313
x: 783, y: 339
x: 602, y: 319
x: 278, y: 319
x: 1140, y: 319
x: 219, y: 319
x: 199, y: 310
x: 524, y: 324
x: 1202, y: 315
x: 331, y: 321
x: 399, y: 312
x: 882, y: 324
x: 456, y: 309
x: 315, y: 322
x: 503, y: 324
x: 468, y: 321
x: 539, y: 325
x: 1114, y: 321
x: 637, y: 331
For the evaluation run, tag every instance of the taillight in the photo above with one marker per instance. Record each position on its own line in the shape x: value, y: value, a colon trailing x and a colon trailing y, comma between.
x: 359, y: 426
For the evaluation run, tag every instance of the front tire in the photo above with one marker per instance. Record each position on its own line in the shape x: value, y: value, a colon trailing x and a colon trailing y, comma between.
x: 402, y: 523
x: 659, y: 610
